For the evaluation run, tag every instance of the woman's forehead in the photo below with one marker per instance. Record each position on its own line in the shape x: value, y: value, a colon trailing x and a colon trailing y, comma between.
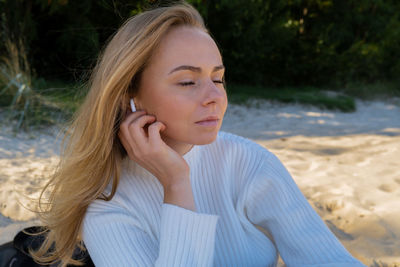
x: 187, y: 46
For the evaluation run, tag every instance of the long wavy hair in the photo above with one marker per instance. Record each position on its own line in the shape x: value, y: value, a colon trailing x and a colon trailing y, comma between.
x: 91, y: 158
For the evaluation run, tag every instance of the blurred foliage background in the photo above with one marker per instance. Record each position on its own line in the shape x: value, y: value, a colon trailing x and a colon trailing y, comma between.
x: 272, y: 48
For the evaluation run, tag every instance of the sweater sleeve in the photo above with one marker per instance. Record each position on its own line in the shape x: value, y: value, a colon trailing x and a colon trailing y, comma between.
x: 114, y: 238
x: 274, y: 202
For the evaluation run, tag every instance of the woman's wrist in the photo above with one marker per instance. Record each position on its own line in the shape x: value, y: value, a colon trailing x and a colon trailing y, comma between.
x: 180, y: 194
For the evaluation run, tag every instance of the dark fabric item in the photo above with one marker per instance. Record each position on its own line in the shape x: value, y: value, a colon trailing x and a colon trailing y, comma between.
x: 7, y: 254
x: 12, y: 257
x: 16, y: 253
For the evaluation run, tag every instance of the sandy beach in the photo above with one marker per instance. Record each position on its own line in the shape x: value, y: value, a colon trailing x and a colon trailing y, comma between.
x: 346, y: 164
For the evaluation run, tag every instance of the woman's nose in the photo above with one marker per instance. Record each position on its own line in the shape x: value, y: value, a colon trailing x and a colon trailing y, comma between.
x: 214, y: 93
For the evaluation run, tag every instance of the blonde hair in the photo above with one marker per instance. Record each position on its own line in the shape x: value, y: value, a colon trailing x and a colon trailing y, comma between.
x: 91, y: 159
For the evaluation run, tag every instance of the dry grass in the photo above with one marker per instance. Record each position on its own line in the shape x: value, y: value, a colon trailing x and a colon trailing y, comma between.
x: 24, y: 106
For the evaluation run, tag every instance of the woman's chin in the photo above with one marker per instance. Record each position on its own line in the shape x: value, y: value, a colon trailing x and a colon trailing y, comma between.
x: 206, y: 139
x: 196, y: 138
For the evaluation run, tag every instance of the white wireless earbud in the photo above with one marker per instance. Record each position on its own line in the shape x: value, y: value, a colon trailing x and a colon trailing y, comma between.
x: 133, y: 108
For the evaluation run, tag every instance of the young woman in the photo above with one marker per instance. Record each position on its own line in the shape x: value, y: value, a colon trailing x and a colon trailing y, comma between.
x: 162, y: 185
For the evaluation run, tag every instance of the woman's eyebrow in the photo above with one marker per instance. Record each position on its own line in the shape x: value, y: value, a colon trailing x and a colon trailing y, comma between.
x: 195, y: 69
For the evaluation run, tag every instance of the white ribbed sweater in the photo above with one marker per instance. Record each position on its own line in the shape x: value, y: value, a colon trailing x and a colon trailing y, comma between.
x: 237, y: 184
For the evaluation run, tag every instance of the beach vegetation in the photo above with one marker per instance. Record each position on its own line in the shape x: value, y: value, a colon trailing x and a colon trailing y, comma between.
x: 22, y: 104
x: 240, y: 94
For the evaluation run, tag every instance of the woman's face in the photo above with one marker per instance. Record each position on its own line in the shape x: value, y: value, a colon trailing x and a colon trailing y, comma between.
x: 182, y: 85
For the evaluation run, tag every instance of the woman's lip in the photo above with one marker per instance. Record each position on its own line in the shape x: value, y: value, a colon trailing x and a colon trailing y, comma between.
x: 209, y: 118
x: 208, y: 123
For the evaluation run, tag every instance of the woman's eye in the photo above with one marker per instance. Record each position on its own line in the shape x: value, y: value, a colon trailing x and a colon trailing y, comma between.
x: 193, y: 83
x: 186, y: 83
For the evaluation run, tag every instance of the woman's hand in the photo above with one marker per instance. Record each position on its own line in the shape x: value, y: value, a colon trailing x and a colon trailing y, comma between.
x: 150, y: 151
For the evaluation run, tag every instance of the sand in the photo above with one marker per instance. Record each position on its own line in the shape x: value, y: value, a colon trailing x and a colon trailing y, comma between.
x: 346, y: 164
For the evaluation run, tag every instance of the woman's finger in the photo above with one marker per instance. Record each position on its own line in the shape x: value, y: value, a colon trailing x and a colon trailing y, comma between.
x: 124, y: 132
x: 126, y: 145
x: 138, y: 135
x: 139, y: 123
x: 154, y: 133
x: 131, y: 116
x: 128, y: 119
